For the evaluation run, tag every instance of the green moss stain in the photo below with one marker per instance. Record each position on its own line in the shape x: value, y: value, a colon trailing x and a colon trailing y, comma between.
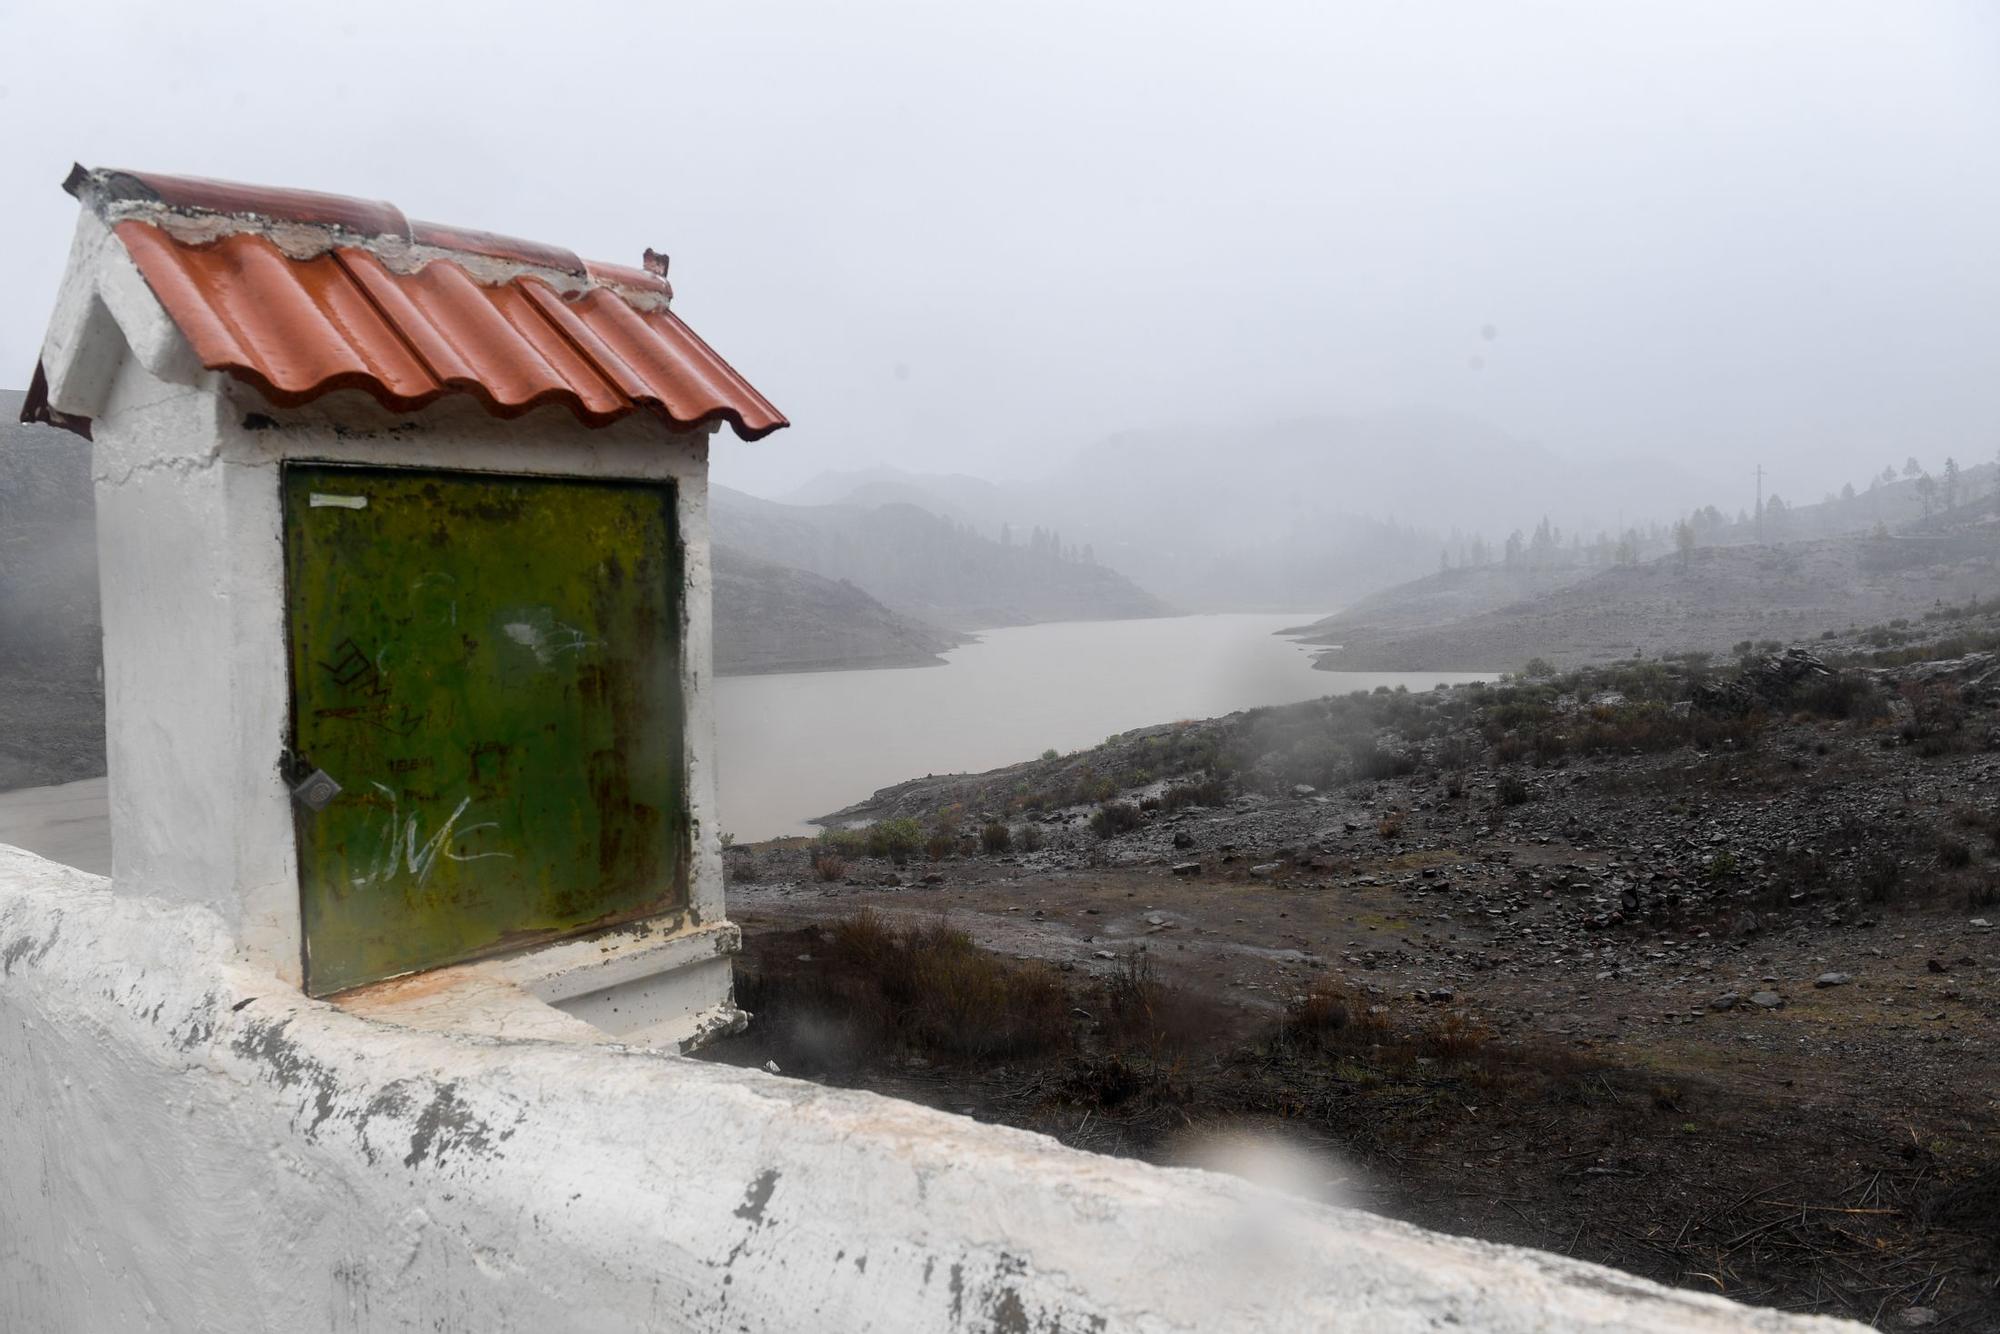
x: 490, y: 668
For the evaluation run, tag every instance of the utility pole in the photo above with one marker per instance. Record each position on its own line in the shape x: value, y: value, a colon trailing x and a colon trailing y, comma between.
x: 1760, y: 504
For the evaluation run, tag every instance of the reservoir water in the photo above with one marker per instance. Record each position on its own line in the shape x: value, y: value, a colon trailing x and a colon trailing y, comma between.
x: 804, y: 744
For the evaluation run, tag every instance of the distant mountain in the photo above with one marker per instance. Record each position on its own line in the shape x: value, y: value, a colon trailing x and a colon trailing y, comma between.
x: 772, y: 618
x: 1310, y: 512
x: 926, y: 565
x: 954, y: 495
x: 51, y: 646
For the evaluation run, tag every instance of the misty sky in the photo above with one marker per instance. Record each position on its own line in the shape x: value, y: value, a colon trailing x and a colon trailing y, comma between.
x: 963, y: 237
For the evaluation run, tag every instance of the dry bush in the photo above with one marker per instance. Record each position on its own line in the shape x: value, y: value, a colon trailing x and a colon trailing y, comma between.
x: 1390, y: 826
x: 995, y: 838
x: 1114, y: 818
x: 950, y: 997
x: 1199, y: 792
x: 1334, y: 1017
x: 1454, y: 1036
x: 1142, y: 1014
x: 828, y: 865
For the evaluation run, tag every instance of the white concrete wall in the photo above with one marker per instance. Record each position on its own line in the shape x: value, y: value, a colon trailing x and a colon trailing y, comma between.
x: 191, y: 560
x: 186, y: 1143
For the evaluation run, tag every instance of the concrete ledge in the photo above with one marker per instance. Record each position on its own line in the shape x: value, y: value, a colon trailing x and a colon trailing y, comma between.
x: 187, y: 1143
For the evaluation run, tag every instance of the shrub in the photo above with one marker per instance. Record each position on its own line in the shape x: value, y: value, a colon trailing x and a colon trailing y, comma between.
x: 1114, y: 818
x: 1953, y: 854
x: 995, y: 838
x: 1141, y: 1012
x: 1390, y: 826
x: 897, y: 840
x: 928, y: 987
x: 845, y: 842
x: 1453, y: 1036
x: 952, y: 996
x: 1539, y: 667
x: 828, y: 865
x: 1936, y: 708
x: 1200, y: 792
x: 1050, y: 754
x: 1332, y: 1017
x: 1841, y: 695
x: 1880, y: 874
x: 1370, y: 761
x: 1511, y: 790
x: 1030, y: 838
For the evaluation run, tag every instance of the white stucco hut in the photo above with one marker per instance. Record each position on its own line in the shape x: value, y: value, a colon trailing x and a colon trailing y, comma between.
x: 403, y: 542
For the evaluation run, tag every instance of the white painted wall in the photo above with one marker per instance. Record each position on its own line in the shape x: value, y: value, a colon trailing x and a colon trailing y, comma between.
x: 186, y: 1143
x: 191, y: 561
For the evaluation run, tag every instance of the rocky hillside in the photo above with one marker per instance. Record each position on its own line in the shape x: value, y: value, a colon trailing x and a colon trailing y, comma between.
x: 925, y: 565
x: 1690, y: 968
x: 772, y: 618
x: 1444, y: 597
x: 1717, y: 598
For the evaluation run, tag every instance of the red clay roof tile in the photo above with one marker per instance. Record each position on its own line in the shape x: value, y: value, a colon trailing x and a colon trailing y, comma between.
x: 344, y: 319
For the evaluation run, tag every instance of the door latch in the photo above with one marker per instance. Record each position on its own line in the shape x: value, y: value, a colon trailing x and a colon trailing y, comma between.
x: 312, y: 788
x: 316, y: 790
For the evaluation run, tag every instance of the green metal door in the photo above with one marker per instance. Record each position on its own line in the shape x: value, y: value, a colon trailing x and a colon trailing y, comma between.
x: 489, y: 667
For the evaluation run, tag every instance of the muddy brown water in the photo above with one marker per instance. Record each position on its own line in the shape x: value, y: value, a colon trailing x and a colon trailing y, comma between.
x: 805, y: 744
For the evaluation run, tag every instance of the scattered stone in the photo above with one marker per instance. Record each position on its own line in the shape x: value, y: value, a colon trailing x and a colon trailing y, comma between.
x: 1833, y: 979
x: 1728, y: 1000
x: 772, y: 1066
x: 1303, y: 789
x: 1916, y: 1317
x: 1766, y: 1000
x: 1183, y: 839
x: 1187, y: 868
x: 1265, y: 869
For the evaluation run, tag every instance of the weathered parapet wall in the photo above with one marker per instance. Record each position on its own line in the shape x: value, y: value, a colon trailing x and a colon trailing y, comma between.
x: 187, y: 1143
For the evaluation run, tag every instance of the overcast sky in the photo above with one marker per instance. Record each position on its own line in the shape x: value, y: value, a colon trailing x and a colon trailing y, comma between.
x: 974, y: 236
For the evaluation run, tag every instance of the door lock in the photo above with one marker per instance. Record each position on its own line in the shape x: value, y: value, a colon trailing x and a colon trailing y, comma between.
x: 312, y: 788
x: 316, y: 790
